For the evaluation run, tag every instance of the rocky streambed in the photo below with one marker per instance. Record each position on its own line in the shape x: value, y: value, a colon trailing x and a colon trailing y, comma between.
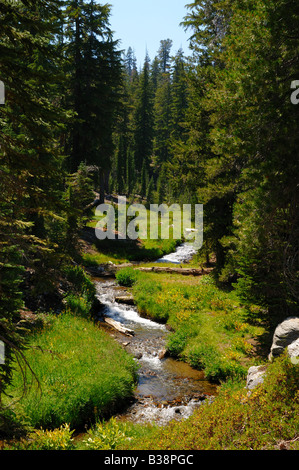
x: 167, y: 389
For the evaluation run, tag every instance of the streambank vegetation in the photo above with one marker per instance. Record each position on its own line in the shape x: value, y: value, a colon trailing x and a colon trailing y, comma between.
x: 79, y: 122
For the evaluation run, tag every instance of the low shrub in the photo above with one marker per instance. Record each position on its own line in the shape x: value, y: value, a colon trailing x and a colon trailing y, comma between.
x: 80, y: 282
x: 216, y: 366
x: 58, y: 439
x: 114, y: 434
x: 126, y: 277
x: 78, y: 305
x: 106, y: 436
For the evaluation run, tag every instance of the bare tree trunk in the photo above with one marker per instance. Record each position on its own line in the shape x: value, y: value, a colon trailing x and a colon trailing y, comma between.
x: 106, y: 183
x: 102, y: 186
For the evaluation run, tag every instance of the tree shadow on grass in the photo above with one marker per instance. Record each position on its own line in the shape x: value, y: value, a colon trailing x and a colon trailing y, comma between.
x: 132, y: 250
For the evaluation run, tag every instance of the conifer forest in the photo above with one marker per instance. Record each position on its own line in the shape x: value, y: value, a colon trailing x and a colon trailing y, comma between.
x: 81, y: 122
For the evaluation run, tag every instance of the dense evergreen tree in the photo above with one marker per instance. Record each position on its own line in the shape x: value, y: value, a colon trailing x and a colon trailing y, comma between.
x: 179, y: 96
x: 155, y: 73
x: 244, y: 62
x: 94, y: 68
x: 265, y: 139
x: 143, y: 119
x: 30, y: 160
x: 124, y: 172
x: 164, y: 55
x: 162, y: 120
x: 54, y: 66
x: 130, y: 63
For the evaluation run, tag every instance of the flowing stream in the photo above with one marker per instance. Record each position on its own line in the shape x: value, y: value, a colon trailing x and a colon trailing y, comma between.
x: 167, y: 389
x: 182, y: 254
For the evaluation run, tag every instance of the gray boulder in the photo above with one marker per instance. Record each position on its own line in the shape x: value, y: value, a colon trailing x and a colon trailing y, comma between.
x: 293, y: 351
x: 285, y: 334
x: 255, y: 376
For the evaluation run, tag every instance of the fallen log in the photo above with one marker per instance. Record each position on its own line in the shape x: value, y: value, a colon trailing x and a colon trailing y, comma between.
x: 184, y: 271
x: 119, y: 327
x: 125, y: 299
x: 110, y: 270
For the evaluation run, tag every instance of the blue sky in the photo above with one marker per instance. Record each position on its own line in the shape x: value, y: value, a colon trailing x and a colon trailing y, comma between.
x: 142, y: 24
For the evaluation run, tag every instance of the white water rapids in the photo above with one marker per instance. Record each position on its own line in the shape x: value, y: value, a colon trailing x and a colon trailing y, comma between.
x: 182, y: 254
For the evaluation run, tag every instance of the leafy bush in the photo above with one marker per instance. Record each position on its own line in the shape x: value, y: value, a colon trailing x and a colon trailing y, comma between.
x: 115, y: 434
x: 127, y: 277
x: 80, y: 281
x: 106, y: 436
x: 78, y: 305
x: 217, y: 368
x: 58, y: 439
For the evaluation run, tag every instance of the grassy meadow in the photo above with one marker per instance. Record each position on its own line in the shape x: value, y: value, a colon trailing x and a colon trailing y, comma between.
x: 77, y: 373
x: 80, y: 375
x: 211, y: 330
x: 143, y: 249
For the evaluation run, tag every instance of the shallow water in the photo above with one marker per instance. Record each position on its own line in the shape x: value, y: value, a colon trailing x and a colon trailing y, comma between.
x: 167, y: 389
x: 182, y: 254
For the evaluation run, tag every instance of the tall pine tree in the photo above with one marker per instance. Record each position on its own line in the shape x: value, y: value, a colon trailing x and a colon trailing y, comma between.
x: 143, y: 119
x: 30, y: 161
x: 94, y: 70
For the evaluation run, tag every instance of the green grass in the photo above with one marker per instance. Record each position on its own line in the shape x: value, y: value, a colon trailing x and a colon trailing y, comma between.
x: 83, y: 375
x: 98, y: 257
x: 267, y: 418
x: 127, y: 277
x: 124, y: 251
x: 210, y: 327
x: 119, y: 252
